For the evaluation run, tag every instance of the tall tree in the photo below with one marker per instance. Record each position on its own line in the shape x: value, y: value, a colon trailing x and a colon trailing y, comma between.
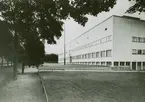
x: 43, y: 19
x: 6, y: 39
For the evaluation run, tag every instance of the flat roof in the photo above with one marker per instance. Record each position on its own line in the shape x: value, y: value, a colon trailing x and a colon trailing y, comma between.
x: 124, y: 16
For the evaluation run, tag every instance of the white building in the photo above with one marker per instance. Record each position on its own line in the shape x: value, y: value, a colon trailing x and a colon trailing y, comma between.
x: 117, y: 41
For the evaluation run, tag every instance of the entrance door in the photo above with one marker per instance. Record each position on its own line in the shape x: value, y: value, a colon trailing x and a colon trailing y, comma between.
x: 70, y: 59
x: 134, y: 65
x: 143, y: 65
x: 139, y: 65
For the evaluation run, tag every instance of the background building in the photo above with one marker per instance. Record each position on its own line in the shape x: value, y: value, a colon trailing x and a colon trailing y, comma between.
x: 117, y: 41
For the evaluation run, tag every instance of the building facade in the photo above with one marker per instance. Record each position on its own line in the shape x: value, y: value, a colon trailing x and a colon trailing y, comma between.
x: 117, y: 41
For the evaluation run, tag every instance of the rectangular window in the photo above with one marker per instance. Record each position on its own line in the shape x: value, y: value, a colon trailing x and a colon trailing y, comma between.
x: 134, y: 39
x: 93, y: 55
x: 121, y: 63
x: 108, y: 53
x: 116, y: 63
x: 93, y: 43
x: 143, y: 52
x: 139, y: 39
x: 103, y: 40
x: 143, y: 40
x: 127, y: 63
x: 97, y: 54
x: 134, y: 51
x: 80, y: 56
x: 86, y: 56
x: 139, y: 52
x: 97, y: 42
x: 89, y: 55
x: 102, y: 53
x: 109, y: 38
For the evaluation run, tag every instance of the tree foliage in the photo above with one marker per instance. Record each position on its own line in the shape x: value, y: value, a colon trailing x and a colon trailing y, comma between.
x: 34, y: 21
x: 139, y: 6
x: 51, y: 58
x: 5, y: 39
x: 35, y: 51
x: 44, y: 17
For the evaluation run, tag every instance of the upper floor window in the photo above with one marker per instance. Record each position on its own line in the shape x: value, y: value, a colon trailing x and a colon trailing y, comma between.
x: 86, y: 56
x: 134, y: 39
x: 103, y: 40
x: 109, y: 38
x: 143, y: 52
x: 134, y: 51
x: 138, y: 52
x: 97, y: 54
x: 138, y: 39
x: 93, y: 55
x: 143, y: 40
x: 102, y: 53
x: 108, y: 53
x: 89, y: 55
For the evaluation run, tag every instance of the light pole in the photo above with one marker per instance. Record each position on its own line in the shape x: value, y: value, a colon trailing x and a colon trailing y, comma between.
x: 64, y: 47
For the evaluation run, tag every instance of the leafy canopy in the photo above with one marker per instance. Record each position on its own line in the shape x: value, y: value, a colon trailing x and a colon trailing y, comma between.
x: 44, y: 17
x: 139, y: 5
x: 32, y: 20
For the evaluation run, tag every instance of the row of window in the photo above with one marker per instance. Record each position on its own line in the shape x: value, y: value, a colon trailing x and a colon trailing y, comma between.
x: 138, y: 39
x: 138, y: 52
x: 106, y: 53
x: 96, y: 42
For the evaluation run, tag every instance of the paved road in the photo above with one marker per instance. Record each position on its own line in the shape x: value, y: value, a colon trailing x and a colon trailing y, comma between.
x: 94, y: 87
x: 26, y: 89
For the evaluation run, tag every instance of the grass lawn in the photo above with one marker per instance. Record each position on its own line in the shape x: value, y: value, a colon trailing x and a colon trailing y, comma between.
x: 94, y: 87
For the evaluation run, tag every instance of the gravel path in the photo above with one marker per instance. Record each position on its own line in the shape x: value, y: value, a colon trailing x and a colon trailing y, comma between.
x: 26, y: 89
x: 5, y: 76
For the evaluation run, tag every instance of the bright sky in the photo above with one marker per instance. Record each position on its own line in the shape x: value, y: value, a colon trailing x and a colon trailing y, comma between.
x: 73, y: 29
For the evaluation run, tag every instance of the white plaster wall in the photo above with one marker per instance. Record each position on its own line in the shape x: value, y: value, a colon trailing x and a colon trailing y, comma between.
x: 124, y: 29
x: 93, y: 34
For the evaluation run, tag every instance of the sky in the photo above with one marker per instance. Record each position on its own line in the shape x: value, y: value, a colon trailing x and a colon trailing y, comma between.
x: 73, y: 29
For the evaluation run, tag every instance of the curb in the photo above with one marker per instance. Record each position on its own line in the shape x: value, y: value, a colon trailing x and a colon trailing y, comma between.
x: 43, y: 86
x: 111, y: 71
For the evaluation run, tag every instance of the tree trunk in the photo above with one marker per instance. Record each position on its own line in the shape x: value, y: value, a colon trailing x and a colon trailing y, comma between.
x: 15, y: 68
x: 11, y: 63
x: 2, y: 62
x: 15, y: 48
x: 7, y: 62
x: 23, y: 68
x: 37, y: 68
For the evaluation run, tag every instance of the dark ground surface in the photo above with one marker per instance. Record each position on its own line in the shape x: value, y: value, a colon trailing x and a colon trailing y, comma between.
x: 5, y: 75
x: 94, y: 86
x: 27, y: 88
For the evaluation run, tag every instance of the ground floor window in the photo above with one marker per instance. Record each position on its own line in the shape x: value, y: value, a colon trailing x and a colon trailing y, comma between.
x: 116, y: 63
x: 127, y: 63
x: 102, y: 63
x: 121, y: 63
x: 109, y: 63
